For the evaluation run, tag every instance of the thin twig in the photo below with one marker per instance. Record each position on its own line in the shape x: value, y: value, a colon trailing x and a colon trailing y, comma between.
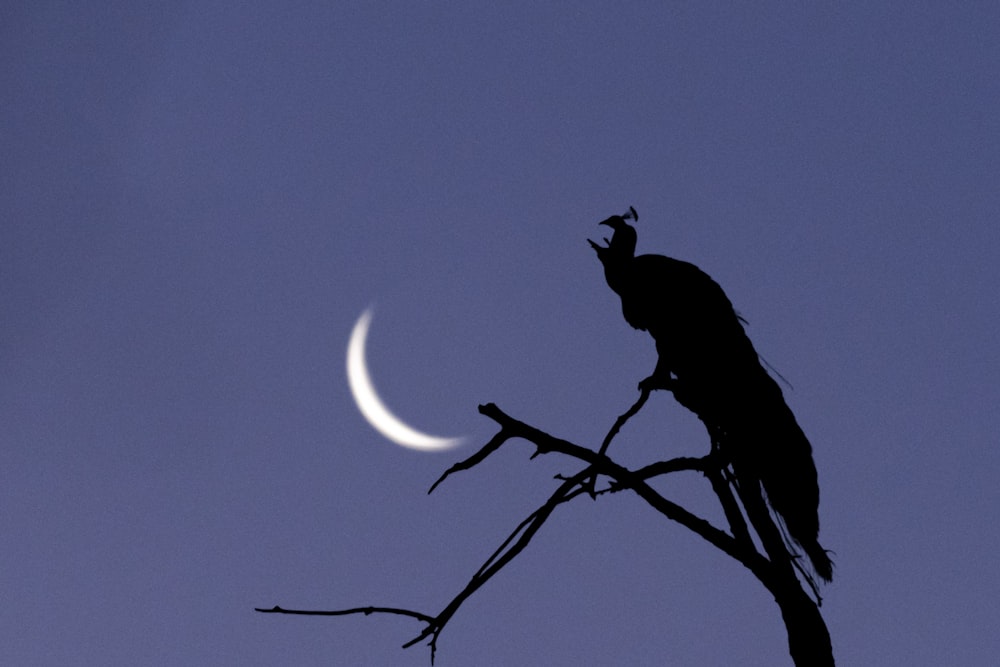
x: 475, y: 459
x: 510, y: 548
x: 367, y: 611
x: 624, y: 417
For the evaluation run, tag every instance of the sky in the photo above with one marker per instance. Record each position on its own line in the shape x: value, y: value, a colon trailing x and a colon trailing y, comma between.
x: 199, y: 200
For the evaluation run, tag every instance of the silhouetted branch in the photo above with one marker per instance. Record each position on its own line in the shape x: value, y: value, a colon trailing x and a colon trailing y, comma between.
x: 508, y: 550
x: 367, y: 611
x: 511, y: 547
x: 624, y: 417
x: 700, y: 464
x: 600, y: 464
x: 475, y: 459
x: 530, y: 525
x: 739, y: 545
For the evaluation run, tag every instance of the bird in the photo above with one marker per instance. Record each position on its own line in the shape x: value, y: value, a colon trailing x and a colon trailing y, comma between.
x: 706, y: 359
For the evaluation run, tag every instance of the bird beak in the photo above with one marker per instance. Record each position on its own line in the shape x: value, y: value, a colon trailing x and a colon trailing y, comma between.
x: 610, y: 222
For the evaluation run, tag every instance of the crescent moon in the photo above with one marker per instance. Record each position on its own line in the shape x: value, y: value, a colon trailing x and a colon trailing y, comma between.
x: 372, y: 407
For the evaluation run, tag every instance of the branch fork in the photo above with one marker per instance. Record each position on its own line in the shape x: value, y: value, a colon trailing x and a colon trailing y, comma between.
x: 774, y: 567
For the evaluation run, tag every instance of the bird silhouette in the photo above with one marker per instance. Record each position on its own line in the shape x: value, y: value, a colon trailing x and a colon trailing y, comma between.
x: 709, y: 364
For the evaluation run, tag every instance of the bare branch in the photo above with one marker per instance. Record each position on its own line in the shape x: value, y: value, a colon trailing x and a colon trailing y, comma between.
x: 701, y: 464
x: 475, y: 459
x: 742, y: 551
x: 644, y: 390
x: 515, y: 543
x: 563, y: 494
x: 739, y: 545
x: 624, y: 417
x: 512, y: 428
x: 511, y: 547
x: 367, y: 611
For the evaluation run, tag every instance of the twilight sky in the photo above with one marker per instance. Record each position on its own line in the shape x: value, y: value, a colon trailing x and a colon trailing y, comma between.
x: 198, y: 201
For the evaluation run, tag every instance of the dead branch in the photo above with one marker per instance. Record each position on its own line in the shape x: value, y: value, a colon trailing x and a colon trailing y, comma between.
x: 367, y: 611
x: 571, y: 487
x: 624, y: 417
x: 771, y: 569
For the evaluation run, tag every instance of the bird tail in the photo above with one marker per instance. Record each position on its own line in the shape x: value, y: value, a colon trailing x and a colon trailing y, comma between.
x: 784, y: 463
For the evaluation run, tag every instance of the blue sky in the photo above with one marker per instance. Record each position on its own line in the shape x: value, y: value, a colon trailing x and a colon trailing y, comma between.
x: 199, y: 200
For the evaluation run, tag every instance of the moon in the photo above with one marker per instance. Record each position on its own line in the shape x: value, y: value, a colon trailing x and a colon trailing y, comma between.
x: 372, y: 407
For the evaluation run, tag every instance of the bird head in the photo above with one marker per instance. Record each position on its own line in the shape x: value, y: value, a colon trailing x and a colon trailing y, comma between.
x: 623, y: 240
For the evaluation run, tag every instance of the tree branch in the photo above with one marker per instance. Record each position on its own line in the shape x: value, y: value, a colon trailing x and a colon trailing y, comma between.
x: 624, y: 417
x: 601, y: 464
x: 739, y: 545
x: 515, y: 543
x: 367, y: 611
